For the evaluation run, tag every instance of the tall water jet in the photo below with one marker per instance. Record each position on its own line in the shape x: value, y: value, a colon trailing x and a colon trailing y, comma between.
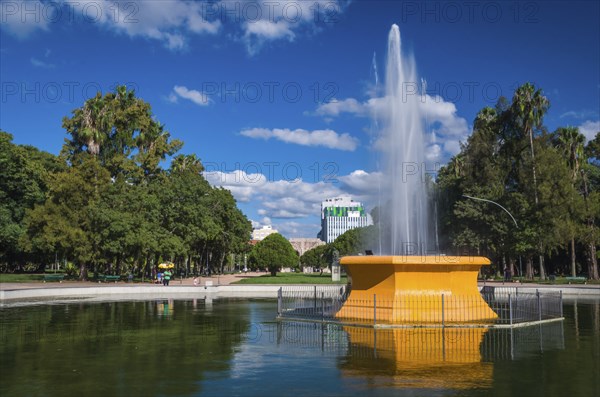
x: 402, y: 138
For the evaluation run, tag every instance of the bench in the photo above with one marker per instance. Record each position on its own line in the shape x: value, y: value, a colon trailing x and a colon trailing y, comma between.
x: 108, y: 278
x: 576, y: 279
x: 54, y: 277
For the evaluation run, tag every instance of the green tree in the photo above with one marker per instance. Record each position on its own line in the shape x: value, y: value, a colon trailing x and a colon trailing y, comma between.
x: 511, y: 160
x: 273, y: 252
x: 110, y: 206
x: 121, y: 131
x: 528, y: 109
x: 24, y: 172
x: 67, y: 222
x: 316, y: 257
x: 571, y: 143
x: 355, y: 241
x: 590, y: 235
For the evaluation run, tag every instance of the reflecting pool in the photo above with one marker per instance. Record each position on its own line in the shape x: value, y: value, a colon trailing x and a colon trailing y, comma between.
x: 236, y: 348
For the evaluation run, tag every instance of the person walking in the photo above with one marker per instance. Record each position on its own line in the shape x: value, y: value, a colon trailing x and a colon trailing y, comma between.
x: 167, y: 277
x: 506, y: 274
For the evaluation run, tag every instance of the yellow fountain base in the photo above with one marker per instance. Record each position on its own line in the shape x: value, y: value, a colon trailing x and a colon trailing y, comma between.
x: 415, y: 289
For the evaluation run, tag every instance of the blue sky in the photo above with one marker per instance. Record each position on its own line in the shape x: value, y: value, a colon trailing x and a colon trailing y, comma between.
x: 276, y: 97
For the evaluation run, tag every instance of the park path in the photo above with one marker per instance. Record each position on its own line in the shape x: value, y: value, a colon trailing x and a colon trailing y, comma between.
x: 216, y: 280
x: 230, y: 278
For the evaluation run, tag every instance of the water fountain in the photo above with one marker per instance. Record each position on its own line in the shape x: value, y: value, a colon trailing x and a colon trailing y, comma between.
x: 402, y: 279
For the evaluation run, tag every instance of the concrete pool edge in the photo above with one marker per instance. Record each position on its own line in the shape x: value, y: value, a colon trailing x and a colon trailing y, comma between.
x: 8, y: 295
x: 144, y: 292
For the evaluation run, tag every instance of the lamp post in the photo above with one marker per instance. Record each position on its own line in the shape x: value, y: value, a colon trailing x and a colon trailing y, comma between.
x: 509, y: 214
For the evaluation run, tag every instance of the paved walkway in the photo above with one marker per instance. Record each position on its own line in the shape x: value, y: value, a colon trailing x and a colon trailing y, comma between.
x: 216, y: 280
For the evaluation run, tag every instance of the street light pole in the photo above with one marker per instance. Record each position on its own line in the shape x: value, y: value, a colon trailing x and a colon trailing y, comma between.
x: 509, y: 214
x: 493, y: 202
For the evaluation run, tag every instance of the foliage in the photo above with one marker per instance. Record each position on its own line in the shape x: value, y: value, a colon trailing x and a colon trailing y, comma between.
x: 273, y: 253
x: 121, y: 131
x: 292, y: 278
x: 107, y: 205
x: 356, y: 241
x: 316, y: 257
x: 24, y: 173
x: 352, y: 242
x: 543, y: 179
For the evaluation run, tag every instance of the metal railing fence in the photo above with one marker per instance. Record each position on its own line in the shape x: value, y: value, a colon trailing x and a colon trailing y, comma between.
x: 511, y: 306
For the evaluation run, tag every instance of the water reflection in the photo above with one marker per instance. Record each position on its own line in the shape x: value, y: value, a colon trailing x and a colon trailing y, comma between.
x: 117, y: 348
x: 423, y: 358
x: 165, y: 308
x: 447, y: 358
x: 523, y: 342
x: 236, y: 348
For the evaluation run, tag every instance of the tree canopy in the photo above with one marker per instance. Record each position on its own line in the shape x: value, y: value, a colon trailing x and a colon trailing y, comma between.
x: 107, y: 204
x: 542, y: 178
x: 273, y: 253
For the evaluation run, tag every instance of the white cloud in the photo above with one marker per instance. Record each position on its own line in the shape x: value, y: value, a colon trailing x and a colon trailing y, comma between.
x: 199, y: 98
x: 590, y: 128
x: 297, y: 199
x: 433, y: 152
x: 452, y: 147
x: 169, y: 22
x: 172, y: 98
x: 172, y: 22
x: 281, y: 198
x: 259, y: 32
x: 293, y: 206
x: 41, y: 64
x: 243, y: 186
x: 447, y: 129
x: 269, y: 30
x: 269, y: 21
x: 293, y: 229
x: 22, y: 18
x: 361, y: 182
x: 174, y: 41
x: 327, y: 138
x: 436, y: 110
x: 580, y: 115
x: 348, y: 105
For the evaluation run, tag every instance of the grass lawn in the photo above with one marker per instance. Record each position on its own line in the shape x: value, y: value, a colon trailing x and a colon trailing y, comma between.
x: 557, y: 281
x: 20, y: 278
x: 291, y: 278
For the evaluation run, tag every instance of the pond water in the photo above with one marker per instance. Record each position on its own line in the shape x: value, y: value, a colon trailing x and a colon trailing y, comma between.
x: 233, y: 347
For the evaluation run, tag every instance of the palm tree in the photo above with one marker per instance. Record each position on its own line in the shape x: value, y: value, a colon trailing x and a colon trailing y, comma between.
x: 94, y: 124
x: 529, y: 107
x: 571, y: 142
x: 187, y: 162
x: 485, y: 117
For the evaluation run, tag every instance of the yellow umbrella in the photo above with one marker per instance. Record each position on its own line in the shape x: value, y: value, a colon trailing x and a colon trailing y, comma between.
x: 166, y: 265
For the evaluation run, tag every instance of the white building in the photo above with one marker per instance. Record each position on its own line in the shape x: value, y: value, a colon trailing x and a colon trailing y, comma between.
x: 301, y: 245
x: 259, y: 234
x: 339, y: 215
